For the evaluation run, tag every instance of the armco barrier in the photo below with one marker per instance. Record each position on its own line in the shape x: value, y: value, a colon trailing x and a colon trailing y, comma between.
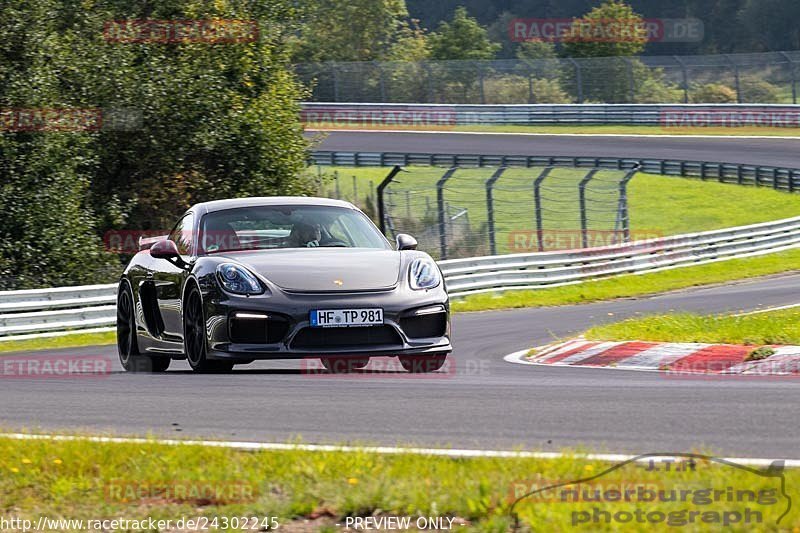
x: 552, y: 269
x: 668, y: 116
x: 62, y: 308
x: 779, y: 178
x: 76, y: 308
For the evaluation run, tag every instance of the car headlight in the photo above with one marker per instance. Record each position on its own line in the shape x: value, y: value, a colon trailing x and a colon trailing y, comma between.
x: 424, y: 274
x: 238, y: 280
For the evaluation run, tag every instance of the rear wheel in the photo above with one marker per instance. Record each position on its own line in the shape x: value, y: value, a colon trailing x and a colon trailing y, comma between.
x: 341, y: 365
x: 422, y: 363
x: 194, y: 336
x: 127, y: 346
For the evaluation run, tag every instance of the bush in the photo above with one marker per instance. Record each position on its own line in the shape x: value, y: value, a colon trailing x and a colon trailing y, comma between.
x: 713, y: 93
x: 758, y: 91
x: 514, y: 89
x: 550, y: 92
x: 653, y: 91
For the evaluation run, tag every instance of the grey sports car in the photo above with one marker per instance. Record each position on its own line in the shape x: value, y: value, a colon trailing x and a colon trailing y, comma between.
x: 275, y: 278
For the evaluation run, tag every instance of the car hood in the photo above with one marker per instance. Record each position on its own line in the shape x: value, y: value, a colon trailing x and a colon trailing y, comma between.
x: 324, y: 269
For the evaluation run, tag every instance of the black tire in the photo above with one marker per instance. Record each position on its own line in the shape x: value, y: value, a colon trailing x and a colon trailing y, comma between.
x: 343, y: 365
x: 194, y: 336
x: 420, y: 364
x: 127, y: 346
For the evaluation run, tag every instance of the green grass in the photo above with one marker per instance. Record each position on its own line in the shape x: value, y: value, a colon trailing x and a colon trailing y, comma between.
x: 619, y: 129
x: 772, y: 327
x: 83, y: 480
x: 63, y: 341
x: 636, y: 285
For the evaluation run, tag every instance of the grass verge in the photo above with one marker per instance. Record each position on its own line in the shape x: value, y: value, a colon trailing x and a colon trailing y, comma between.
x: 595, y: 130
x: 636, y: 285
x: 312, y: 491
x: 63, y: 341
x: 771, y: 327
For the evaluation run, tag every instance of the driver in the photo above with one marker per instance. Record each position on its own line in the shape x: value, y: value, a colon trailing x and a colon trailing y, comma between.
x: 305, y: 235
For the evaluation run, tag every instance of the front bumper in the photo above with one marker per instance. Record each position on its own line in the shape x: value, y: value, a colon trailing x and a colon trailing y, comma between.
x: 289, y: 335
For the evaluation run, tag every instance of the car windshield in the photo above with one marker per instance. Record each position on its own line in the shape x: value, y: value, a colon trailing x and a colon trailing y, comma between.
x: 268, y: 227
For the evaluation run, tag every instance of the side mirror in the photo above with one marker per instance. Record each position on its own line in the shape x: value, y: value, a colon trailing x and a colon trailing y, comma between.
x: 406, y: 242
x: 165, y: 249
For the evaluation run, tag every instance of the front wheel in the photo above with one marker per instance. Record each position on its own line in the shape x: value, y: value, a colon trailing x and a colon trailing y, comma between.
x: 422, y: 363
x: 127, y: 345
x: 194, y: 336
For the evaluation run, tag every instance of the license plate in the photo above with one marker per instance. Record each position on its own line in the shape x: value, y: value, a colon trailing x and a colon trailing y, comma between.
x: 345, y: 318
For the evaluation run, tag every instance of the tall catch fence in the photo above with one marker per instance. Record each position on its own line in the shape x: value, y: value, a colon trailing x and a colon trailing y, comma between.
x: 467, y: 212
x: 770, y: 77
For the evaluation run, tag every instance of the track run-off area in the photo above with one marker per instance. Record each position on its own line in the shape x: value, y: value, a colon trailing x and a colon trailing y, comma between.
x: 482, y: 402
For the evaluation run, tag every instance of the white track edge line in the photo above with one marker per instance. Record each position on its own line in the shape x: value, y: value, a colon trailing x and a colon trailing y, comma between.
x: 531, y: 134
x: 382, y: 450
x: 767, y: 310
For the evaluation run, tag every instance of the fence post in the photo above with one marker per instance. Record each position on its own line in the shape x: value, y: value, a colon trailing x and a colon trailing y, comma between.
x: 429, y: 72
x: 480, y: 83
x: 685, y: 72
x: 490, y: 209
x: 735, y: 77
x: 381, y: 206
x: 537, y: 205
x: 582, y: 200
x: 578, y: 79
x: 631, y: 83
x: 382, y: 80
x: 623, y: 202
x: 531, y: 95
x: 794, y: 76
x: 442, y: 215
x: 335, y: 81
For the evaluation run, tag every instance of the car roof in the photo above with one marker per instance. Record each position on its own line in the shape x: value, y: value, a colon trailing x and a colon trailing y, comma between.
x: 232, y: 203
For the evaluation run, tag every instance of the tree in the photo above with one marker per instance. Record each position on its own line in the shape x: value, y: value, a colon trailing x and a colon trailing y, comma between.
x: 349, y: 30
x: 210, y: 121
x: 462, y: 38
x: 611, y: 29
x: 771, y: 24
x: 537, y: 50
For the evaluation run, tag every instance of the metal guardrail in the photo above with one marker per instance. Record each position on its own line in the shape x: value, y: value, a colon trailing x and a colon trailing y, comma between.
x: 37, y: 311
x: 77, y: 308
x: 779, y: 178
x: 553, y: 269
x: 668, y: 116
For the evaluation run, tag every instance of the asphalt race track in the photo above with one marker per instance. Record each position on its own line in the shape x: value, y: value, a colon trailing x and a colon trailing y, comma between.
x: 768, y: 152
x: 485, y: 402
